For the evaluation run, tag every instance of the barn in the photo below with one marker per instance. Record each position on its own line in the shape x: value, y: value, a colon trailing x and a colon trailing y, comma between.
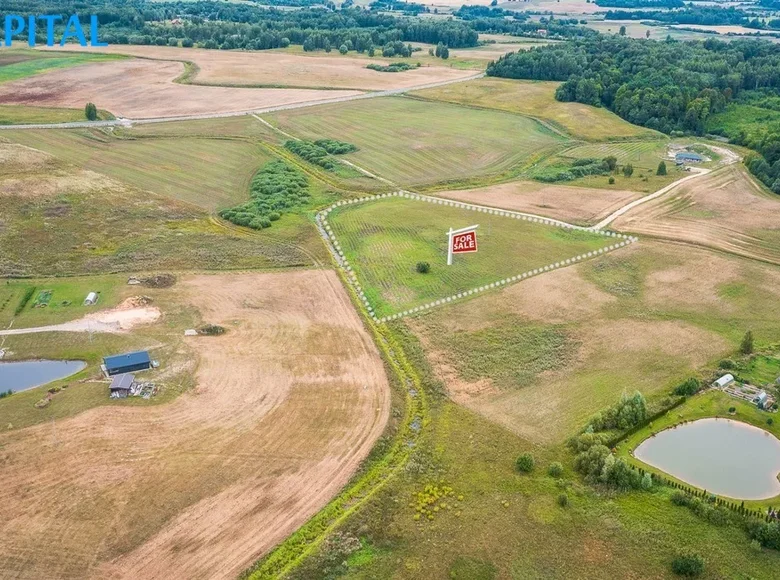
x: 127, y: 363
x: 687, y: 157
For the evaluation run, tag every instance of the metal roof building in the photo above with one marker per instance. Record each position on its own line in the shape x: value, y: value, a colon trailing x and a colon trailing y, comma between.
x: 683, y: 156
x: 127, y: 363
x: 723, y: 381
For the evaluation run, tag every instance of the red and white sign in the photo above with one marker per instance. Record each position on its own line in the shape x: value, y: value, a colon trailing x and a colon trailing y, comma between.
x: 462, y: 241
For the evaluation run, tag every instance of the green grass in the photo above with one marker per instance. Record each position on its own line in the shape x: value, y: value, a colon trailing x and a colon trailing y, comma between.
x: 417, y: 143
x: 537, y: 99
x: 384, y: 240
x: 27, y: 63
x: 66, y: 303
x: 210, y: 173
x: 20, y: 115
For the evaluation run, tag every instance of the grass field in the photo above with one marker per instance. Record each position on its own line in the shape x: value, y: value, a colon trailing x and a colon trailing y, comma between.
x: 384, y: 240
x: 57, y: 220
x: 14, y: 114
x: 19, y: 64
x: 415, y: 143
x: 209, y: 173
x: 537, y: 99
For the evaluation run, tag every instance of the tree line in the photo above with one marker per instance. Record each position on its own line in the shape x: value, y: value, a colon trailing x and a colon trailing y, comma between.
x: 701, y: 15
x: 669, y: 86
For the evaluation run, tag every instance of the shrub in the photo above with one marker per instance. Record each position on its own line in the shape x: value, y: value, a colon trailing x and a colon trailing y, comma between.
x: 661, y: 168
x: 770, y: 421
x: 689, y: 565
x: 690, y: 387
x: 628, y: 170
x: 746, y: 347
x: 732, y: 409
x: 211, y: 329
x: 563, y: 500
x: 555, y: 469
x: 726, y: 364
x: 680, y: 498
x: 525, y: 463
x: 335, y: 147
x: 423, y: 267
x: 611, y: 180
x: 312, y: 153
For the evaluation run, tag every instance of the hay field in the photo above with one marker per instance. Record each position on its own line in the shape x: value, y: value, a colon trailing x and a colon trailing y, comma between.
x: 725, y: 210
x: 537, y: 99
x: 414, y: 143
x: 577, y: 205
x: 383, y: 241
x: 19, y: 63
x: 60, y: 219
x: 642, y: 318
x: 286, y: 405
x: 209, y: 173
x: 139, y: 88
x: 282, y: 69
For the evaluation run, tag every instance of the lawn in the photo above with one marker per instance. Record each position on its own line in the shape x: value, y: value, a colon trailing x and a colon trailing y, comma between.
x: 384, y: 240
x: 537, y: 99
x: 416, y: 143
x: 17, y: 114
x: 19, y: 64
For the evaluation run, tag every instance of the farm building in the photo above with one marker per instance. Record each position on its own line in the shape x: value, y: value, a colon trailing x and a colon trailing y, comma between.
x: 120, y: 386
x: 761, y: 400
x: 687, y: 157
x: 724, y: 381
x: 127, y: 363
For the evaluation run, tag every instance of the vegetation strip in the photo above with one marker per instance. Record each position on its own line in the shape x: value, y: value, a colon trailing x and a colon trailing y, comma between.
x: 336, y: 250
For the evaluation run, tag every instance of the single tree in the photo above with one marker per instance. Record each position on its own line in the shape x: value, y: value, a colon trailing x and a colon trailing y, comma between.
x: 622, y: 31
x: 747, y: 343
x: 647, y: 33
x: 371, y: 50
x: 445, y: 53
x: 525, y: 463
x: 90, y: 110
x: 661, y: 168
x: 343, y: 49
x: 628, y: 170
x: 611, y: 162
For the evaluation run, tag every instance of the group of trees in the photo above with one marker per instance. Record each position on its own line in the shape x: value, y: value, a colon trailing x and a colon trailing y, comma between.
x: 701, y: 15
x: 668, y: 86
x: 319, y: 152
x: 275, y: 189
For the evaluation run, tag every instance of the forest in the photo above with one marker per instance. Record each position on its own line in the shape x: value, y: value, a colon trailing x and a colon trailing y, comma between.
x: 701, y: 15
x: 673, y: 87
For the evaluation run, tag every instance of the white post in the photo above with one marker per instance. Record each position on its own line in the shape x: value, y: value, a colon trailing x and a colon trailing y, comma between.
x: 449, y: 247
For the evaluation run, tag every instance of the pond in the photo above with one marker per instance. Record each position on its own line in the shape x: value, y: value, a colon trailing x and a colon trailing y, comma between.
x: 23, y: 375
x: 724, y: 457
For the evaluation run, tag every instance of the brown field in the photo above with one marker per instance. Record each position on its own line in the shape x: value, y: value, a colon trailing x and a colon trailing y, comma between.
x: 145, y: 89
x: 272, y: 68
x: 580, y: 205
x: 725, y: 209
x: 287, y: 404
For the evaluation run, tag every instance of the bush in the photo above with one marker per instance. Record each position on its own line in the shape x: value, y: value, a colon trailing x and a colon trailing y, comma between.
x: 727, y: 364
x: 563, y: 500
x: 335, y: 147
x: 611, y: 180
x: 746, y: 347
x: 628, y: 170
x: 312, y: 153
x: 732, y: 409
x: 661, y: 168
x: 690, y: 387
x: 423, y: 267
x: 770, y: 421
x: 211, y: 330
x: 525, y: 463
x: 555, y: 469
x: 689, y: 565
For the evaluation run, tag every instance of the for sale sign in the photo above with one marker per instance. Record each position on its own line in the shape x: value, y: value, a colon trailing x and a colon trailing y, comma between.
x: 462, y: 241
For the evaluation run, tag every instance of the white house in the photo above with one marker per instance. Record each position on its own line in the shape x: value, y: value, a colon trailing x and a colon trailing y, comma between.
x: 724, y: 381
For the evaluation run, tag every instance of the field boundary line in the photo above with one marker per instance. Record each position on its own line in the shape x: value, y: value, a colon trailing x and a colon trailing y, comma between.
x: 334, y: 246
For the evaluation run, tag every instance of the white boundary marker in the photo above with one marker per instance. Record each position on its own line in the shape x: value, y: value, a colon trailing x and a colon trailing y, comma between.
x: 335, y: 247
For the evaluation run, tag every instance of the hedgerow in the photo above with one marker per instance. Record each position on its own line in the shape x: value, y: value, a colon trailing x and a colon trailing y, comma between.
x: 335, y: 147
x: 275, y: 189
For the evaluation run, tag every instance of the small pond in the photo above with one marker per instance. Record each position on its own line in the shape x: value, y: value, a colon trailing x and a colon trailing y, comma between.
x: 23, y: 375
x: 724, y: 457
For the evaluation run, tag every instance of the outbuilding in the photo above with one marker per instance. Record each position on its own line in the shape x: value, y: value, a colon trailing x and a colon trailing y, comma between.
x: 724, y: 381
x: 687, y: 157
x: 121, y: 385
x: 127, y: 363
x: 761, y: 400
x: 91, y: 299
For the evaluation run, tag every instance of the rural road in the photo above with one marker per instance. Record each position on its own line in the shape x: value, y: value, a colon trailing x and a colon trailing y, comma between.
x: 123, y: 122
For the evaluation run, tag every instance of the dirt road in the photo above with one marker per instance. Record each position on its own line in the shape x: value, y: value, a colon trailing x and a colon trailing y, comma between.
x: 287, y: 404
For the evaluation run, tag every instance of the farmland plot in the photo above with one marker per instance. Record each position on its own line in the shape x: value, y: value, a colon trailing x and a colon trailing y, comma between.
x: 384, y: 240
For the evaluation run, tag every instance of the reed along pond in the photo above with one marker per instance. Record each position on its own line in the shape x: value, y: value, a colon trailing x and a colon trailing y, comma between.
x: 23, y: 375
x: 725, y: 457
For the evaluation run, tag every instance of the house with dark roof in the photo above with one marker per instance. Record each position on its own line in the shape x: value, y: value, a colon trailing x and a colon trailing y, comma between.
x: 687, y: 157
x: 128, y: 362
x: 120, y: 386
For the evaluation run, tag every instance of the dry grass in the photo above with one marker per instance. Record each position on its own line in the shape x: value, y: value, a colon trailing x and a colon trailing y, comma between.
x: 725, y: 209
x: 281, y: 69
x: 537, y: 99
x: 145, y: 89
x: 580, y: 205
x: 287, y: 404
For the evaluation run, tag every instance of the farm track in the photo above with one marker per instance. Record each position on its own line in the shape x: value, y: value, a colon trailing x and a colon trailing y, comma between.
x: 124, y: 122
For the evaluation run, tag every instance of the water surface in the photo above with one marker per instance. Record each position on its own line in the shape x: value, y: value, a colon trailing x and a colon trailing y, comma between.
x: 723, y: 456
x: 23, y: 375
